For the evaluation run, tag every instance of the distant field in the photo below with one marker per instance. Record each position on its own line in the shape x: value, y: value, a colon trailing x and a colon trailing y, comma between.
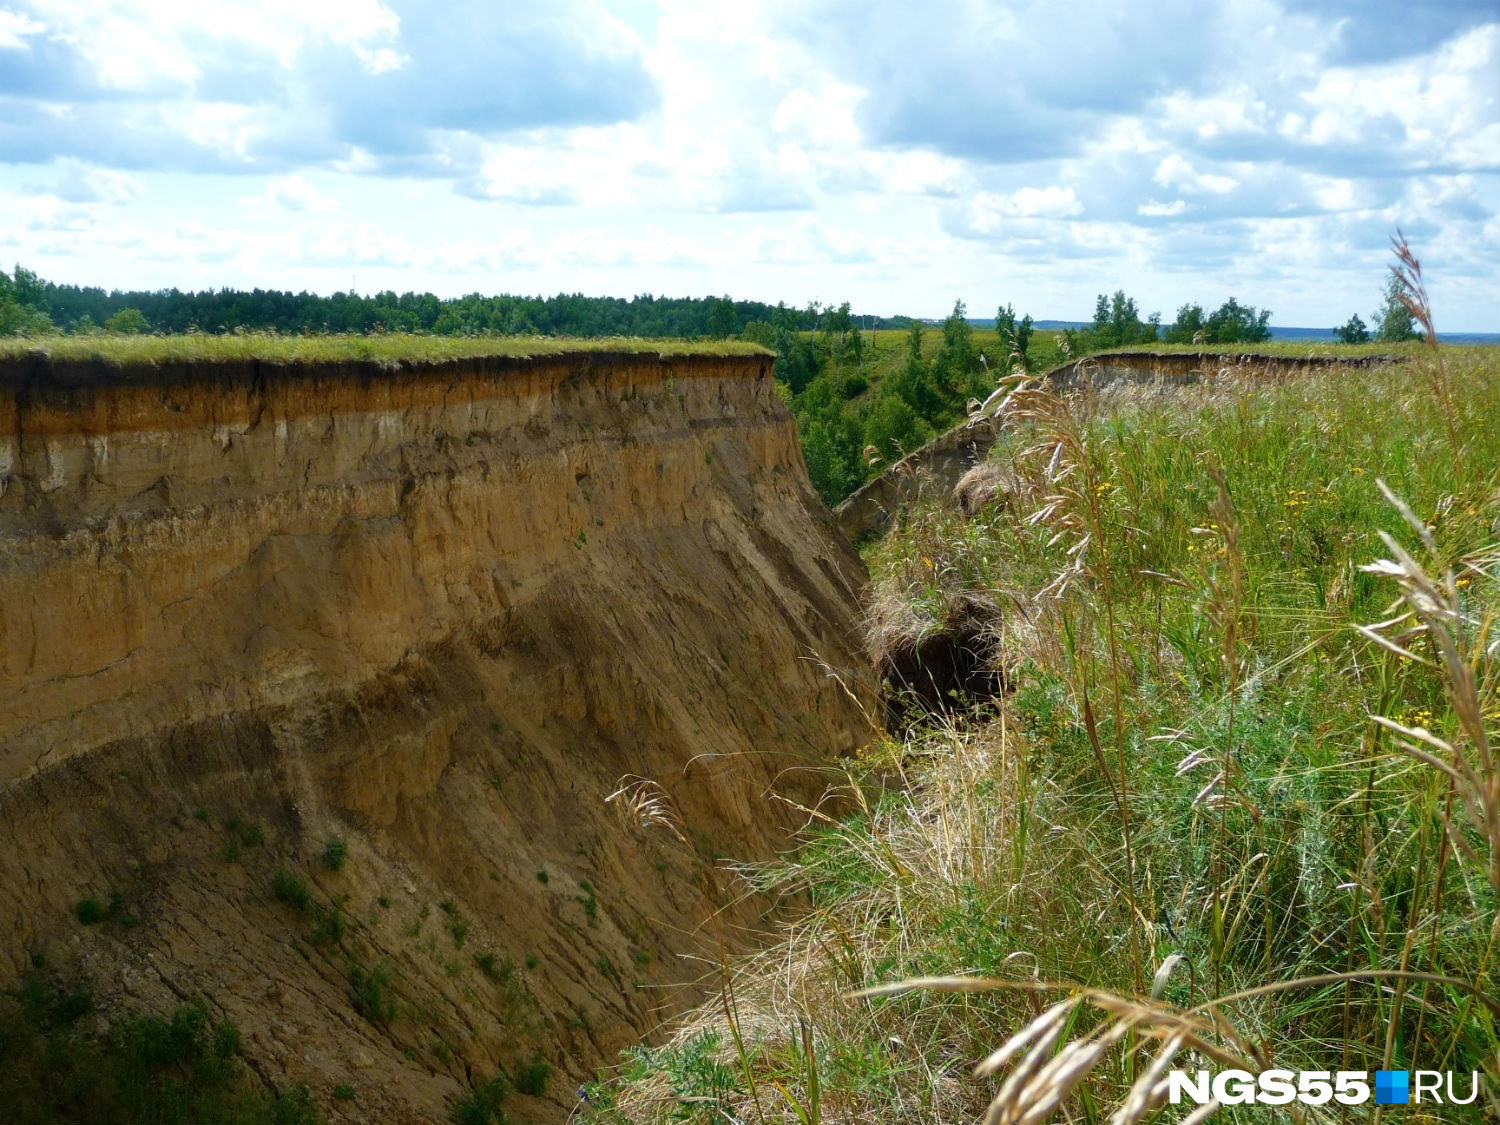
x: 391, y: 348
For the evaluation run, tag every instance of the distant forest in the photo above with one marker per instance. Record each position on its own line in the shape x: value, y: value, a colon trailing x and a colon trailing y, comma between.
x: 30, y: 305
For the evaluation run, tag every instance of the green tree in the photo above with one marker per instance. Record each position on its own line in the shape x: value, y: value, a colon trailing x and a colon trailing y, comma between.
x: 1117, y: 323
x: 915, y: 383
x: 721, y: 318
x: 127, y: 322
x: 1185, y: 329
x: 759, y: 332
x: 1353, y: 332
x: 1230, y: 323
x: 1015, y: 337
x: 956, y: 366
x: 1234, y: 323
x: 17, y: 319
x: 1394, y: 320
x: 23, y: 308
x: 894, y: 428
x: 841, y: 339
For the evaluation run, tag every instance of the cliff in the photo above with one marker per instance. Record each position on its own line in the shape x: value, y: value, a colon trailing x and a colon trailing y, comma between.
x: 433, y: 611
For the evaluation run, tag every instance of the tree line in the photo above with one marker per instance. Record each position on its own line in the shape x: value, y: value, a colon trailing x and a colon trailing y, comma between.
x: 32, y: 306
x: 857, y: 413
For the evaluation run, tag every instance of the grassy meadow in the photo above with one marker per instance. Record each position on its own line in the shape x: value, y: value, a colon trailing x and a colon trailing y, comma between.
x: 392, y: 347
x: 1239, y: 805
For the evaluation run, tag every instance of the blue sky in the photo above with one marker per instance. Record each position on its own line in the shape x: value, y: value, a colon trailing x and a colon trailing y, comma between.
x: 894, y: 155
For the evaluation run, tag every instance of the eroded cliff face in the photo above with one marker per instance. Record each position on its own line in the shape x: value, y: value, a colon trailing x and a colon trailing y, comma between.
x: 436, y: 612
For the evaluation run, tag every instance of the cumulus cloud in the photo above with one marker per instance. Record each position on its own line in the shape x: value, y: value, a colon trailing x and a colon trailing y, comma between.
x: 81, y: 184
x: 294, y: 193
x: 1175, y: 172
x: 278, y: 85
x: 990, y: 209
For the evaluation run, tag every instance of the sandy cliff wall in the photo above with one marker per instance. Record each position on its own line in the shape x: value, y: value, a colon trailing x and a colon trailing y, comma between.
x: 436, y: 611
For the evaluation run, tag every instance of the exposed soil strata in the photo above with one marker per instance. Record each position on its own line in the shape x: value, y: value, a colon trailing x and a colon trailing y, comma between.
x: 437, y: 612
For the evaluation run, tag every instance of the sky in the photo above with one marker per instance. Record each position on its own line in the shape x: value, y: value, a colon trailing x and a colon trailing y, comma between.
x: 898, y: 156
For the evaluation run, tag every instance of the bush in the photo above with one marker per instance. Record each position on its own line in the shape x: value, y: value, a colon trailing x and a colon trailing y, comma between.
x: 531, y: 1079
x: 292, y: 890
x: 374, y: 992
x: 127, y: 322
x: 331, y: 927
x: 334, y: 853
x: 90, y: 911
x: 481, y: 1106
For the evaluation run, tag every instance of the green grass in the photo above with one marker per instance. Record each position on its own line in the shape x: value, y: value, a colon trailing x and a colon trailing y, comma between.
x: 1188, y: 764
x: 385, y: 348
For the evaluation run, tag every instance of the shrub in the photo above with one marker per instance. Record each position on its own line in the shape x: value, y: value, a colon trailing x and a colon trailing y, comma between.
x: 531, y: 1078
x: 331, y: 927
x: 481, y: 1106
x: 247, y: 832
x: 334, y: 853
x: 373, y: 992
x: 90, y: 911
x: 292, y: 890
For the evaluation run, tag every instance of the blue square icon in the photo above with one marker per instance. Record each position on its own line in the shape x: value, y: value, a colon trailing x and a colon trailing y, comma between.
x: 1391, y: 1087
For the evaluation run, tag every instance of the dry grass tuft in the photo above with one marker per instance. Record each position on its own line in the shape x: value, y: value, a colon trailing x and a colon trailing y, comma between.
x: 988, y: 483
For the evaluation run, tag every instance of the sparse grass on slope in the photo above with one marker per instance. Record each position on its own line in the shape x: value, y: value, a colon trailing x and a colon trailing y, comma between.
x: 56, y: 1068
x: 387, y: 347
x: 1201, y: 759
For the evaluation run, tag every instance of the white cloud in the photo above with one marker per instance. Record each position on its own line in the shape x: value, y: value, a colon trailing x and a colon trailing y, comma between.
x: 1152, y: 209
x: 294, y: 193
x: 1176, y: 172
x: 989, y: 209
x: 17, y: 29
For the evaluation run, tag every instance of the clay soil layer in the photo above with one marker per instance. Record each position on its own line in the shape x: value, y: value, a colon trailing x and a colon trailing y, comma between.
x: 435, y: 612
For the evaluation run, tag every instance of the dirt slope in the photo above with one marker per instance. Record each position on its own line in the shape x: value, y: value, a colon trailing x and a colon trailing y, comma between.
x: 436, y: 612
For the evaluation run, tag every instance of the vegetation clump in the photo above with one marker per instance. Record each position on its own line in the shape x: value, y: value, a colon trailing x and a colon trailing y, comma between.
x: 531, y: 1077
x: 373, y: 992
x: 176, y: 1071
x: 481, y: 1106
x: 1240, y: 797
x: 292, y: 890
x: 335, y: 851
